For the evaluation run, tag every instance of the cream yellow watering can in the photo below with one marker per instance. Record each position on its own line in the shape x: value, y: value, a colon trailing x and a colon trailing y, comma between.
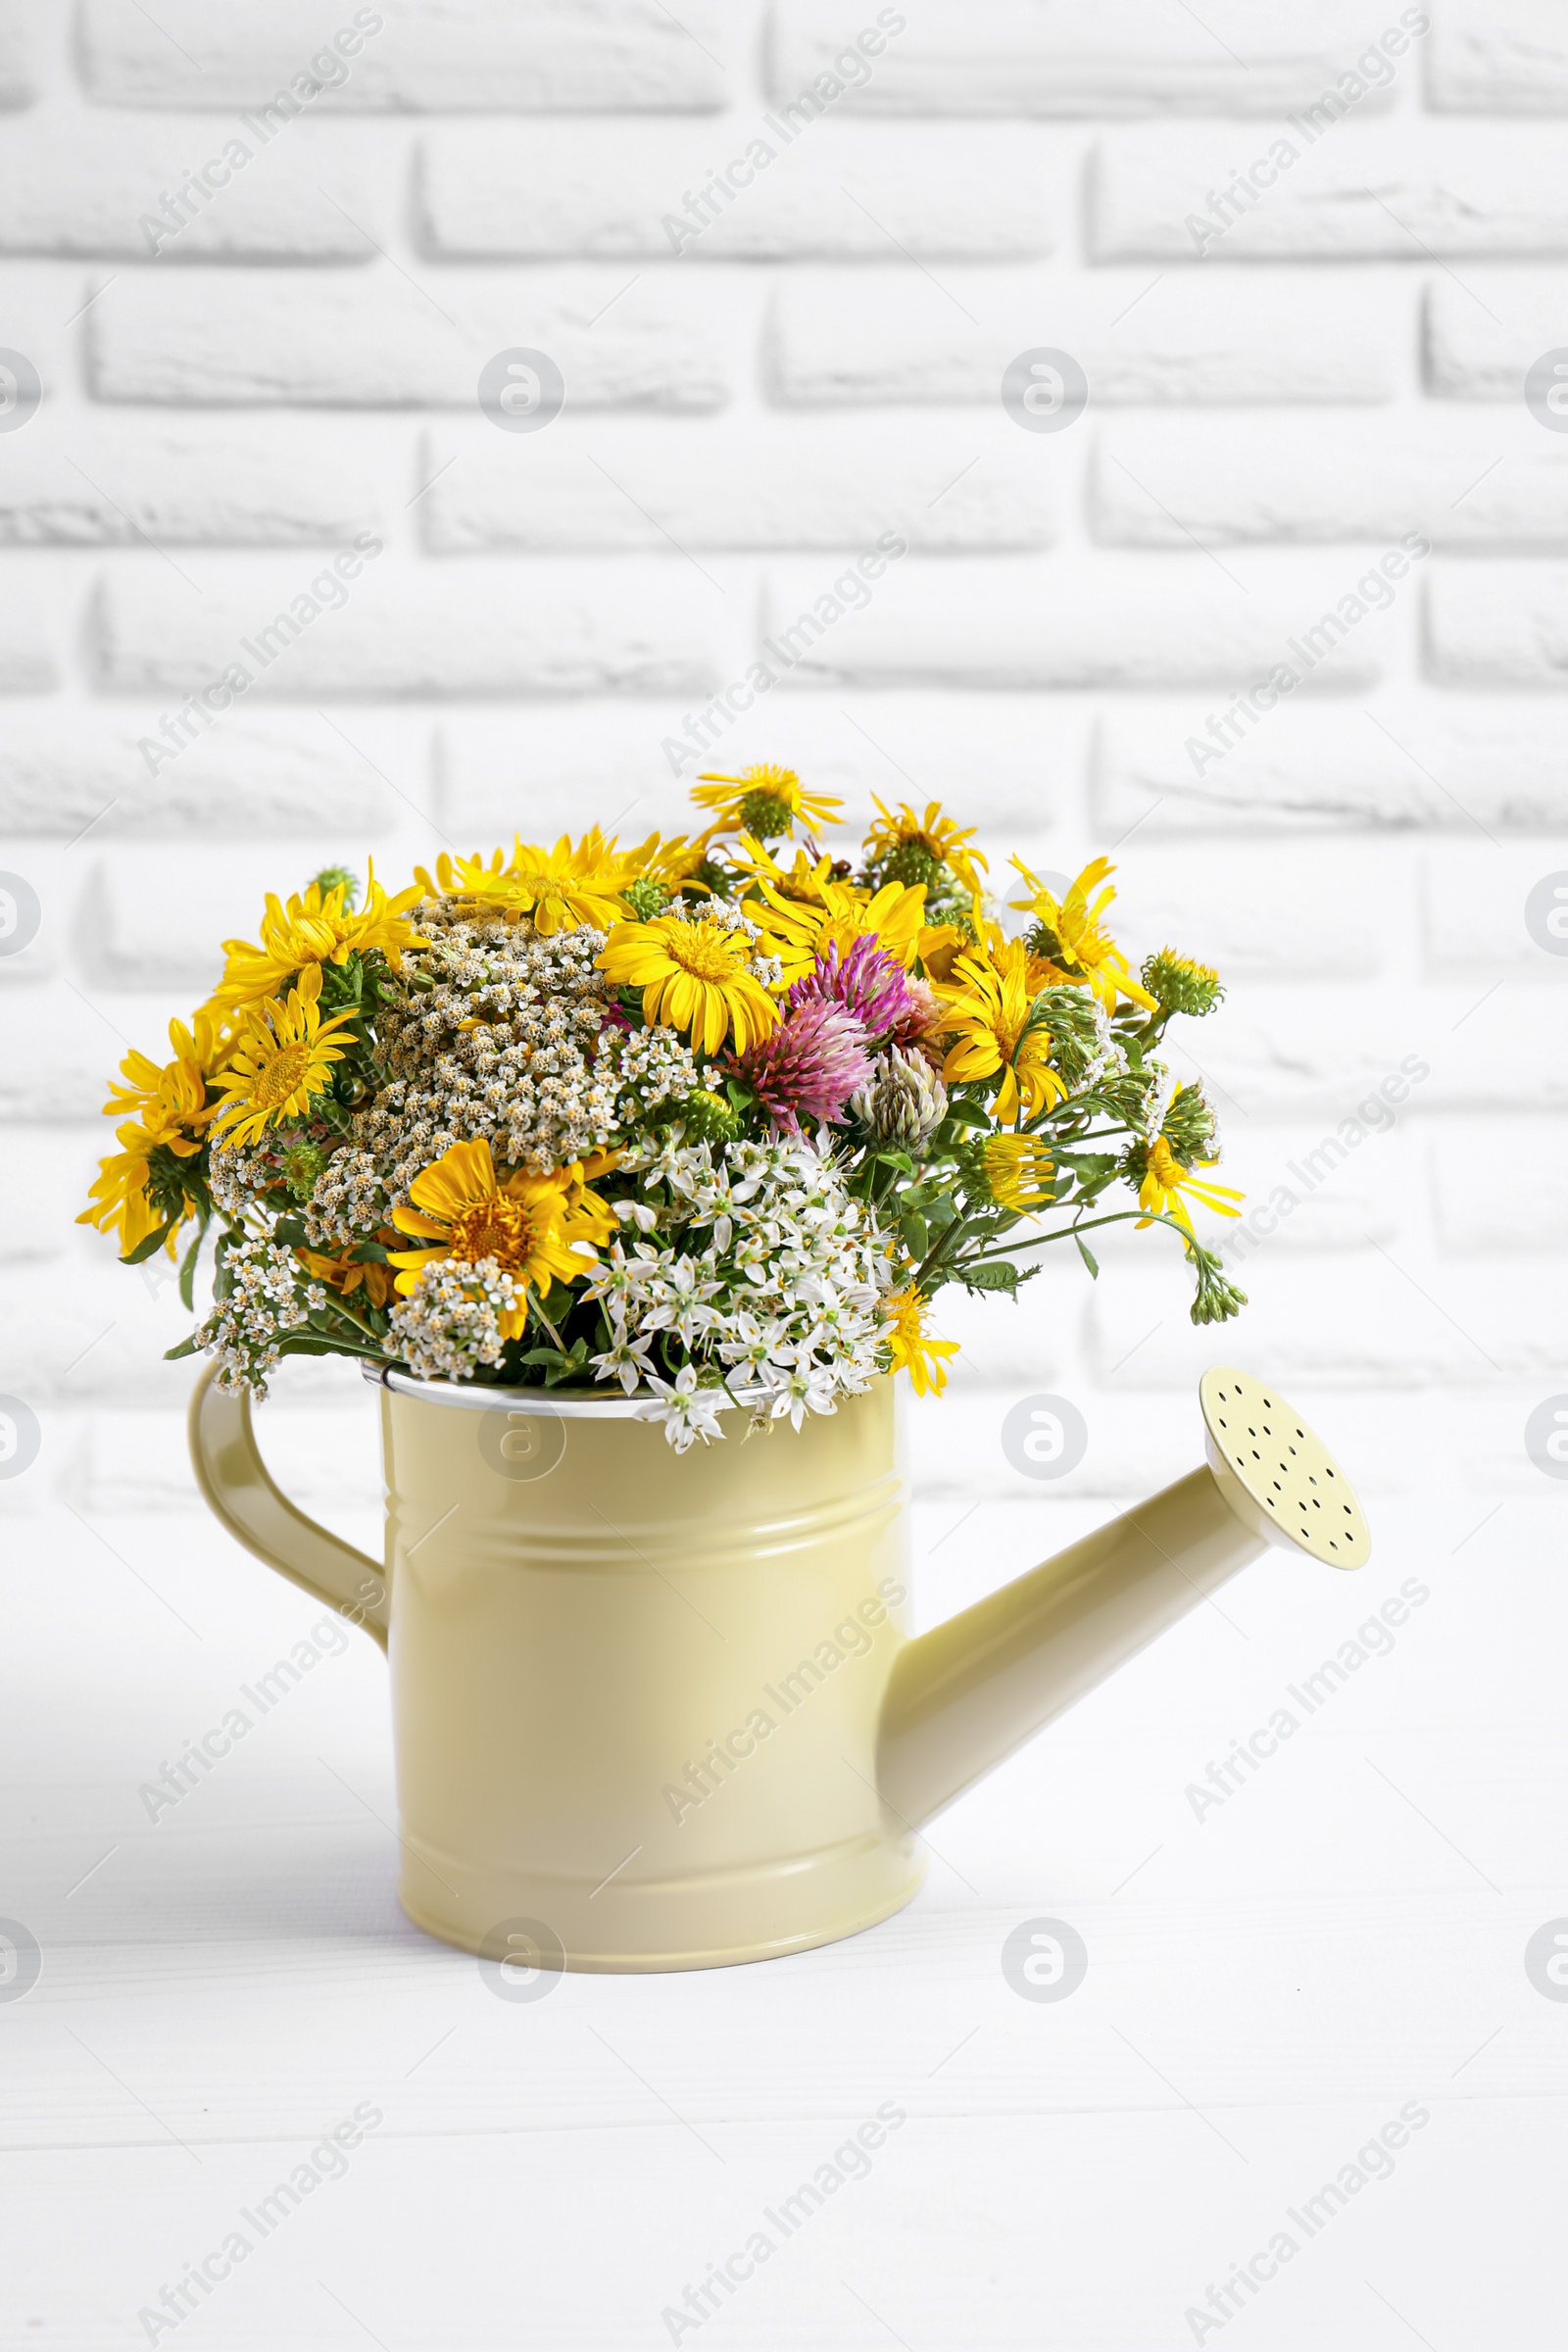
x: 655, y: 1711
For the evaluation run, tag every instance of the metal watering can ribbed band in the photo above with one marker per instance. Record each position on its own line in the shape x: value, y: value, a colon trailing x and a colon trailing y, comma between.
x: 666, y: 1711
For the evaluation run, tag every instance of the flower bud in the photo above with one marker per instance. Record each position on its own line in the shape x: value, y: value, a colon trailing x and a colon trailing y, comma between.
x: 906, y: 1102
x: 302, y: 1164
x: 706, y: 1117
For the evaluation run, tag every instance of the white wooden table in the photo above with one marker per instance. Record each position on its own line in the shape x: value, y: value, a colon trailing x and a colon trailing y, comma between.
x: 1268, y: 1987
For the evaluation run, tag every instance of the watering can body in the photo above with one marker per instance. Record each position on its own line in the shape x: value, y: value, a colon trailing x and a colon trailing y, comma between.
x: 660, y: 1711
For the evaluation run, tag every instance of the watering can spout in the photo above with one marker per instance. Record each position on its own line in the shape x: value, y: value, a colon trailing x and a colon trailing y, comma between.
x: 964, y: 1697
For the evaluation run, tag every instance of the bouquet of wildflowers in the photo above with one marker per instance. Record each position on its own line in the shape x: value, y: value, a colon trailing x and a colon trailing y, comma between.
x: 714, y: 1117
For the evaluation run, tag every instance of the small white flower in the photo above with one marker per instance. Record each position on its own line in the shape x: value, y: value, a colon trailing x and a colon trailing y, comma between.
x: 803, y: 1392
x: 751, y: 1343
x: 686, y: 1411
x: 626, y: 1360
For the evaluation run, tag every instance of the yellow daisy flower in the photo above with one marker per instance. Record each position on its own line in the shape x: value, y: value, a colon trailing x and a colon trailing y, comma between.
x: 939, y: 947
x: 1089, y: 955
x: 764, y: 801
x: 694, y: 976
x: 802, y: 879
x: 280, y: 1060
x: 119, y: 1194
x: 539, y: 1229
x: 914, y: 1350
x: 170, y: 1107
x: 1018, y: 1171
x: 989, y: 999
x: 170, y: 1102
x: 470, y: 878
x: 799, y: 932
x: 560, y: 888
x: 318, y: 928
x: 675, y: 862
x: 923, y: 843
x: 1161, y: 1191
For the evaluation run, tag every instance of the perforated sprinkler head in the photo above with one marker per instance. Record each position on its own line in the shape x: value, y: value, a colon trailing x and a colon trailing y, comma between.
x: 1277, y: 1475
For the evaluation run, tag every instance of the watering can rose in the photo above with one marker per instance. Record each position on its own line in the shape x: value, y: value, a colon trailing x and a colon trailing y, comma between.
x: 713, y: 1117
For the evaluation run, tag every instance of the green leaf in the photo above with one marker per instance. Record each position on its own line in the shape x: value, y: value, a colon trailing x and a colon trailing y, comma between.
x: 1088, y: 1256
x: 290, y: 1231
x: 187, y: 1348
x: 369, y: 1253
x: 995, y: 1275
x: 313, y: 1343
x: 144, y: 1249
x: 556, y: 1365
x: 187, y: 1272
x: 967, y: 1115
x: 916, y: 1238
x: 1089, y: 1167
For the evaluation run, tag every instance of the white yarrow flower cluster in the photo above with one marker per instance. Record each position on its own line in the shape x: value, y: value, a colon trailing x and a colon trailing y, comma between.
x: 654, y: 1066
x: 235, y: 1177
x: 754, y: 1270
x: 264, y: 1301
x: 450, y: 1324
x: 496, y: 1035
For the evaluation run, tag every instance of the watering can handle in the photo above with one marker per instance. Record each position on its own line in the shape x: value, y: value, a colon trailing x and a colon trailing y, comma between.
x: 238, y: 1489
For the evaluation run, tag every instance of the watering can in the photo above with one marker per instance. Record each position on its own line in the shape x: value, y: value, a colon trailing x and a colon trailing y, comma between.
x: 660, y: 1711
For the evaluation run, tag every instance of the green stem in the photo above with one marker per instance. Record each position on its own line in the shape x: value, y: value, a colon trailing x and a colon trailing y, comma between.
x: 340, y: 1306
x: 536, y: 1308
x: 934, y: 1254
x: 1065, y: 1233
x: 1100, y: 1135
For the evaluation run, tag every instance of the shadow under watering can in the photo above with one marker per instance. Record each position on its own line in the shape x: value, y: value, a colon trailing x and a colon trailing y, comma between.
x: 660, y: 1711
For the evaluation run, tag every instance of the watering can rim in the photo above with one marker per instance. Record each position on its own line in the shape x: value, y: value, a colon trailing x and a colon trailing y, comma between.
x: 566, y: 1403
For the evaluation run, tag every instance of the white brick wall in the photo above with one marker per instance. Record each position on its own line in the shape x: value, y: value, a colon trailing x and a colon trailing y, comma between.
x: 1294, y: 361
x: 850, y: 192
x: 412, y: 56
x: 1369, y: 189
x: 378, y: 338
